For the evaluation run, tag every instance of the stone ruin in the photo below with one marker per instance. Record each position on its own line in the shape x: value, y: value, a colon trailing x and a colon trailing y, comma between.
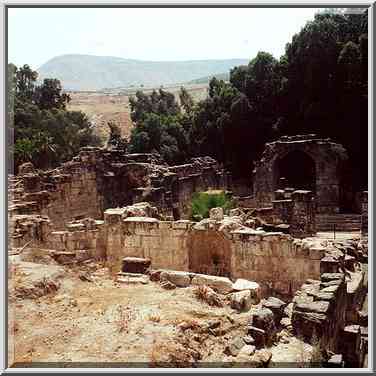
x: 306, y: 161
x: 132, y: 211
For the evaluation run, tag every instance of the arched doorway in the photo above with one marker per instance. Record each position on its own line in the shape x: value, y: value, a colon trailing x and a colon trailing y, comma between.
x: 299, y: 170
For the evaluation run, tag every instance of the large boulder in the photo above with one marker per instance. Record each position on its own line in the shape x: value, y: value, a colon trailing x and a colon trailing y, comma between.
x: 180, y: 279
x: 234, y: 347
x: 260, y: 358
x: 262, y: 318
x: 277, y: 306
x: 261, y: 326
x: 220, y: 284
x: 241, y: 300
x: 245, y: 285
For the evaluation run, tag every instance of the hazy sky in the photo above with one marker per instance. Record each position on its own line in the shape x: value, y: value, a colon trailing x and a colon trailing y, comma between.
x: 36, y: 35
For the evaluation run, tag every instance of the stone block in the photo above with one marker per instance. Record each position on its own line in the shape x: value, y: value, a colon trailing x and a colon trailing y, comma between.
x: 216, y: 214
x: 263, y: 318
x: 220, y: 284
x: 329, y: 264
x: 180, y: 279
x: 241, y: 300
x: 319, y: 306
x: 135, y: 265
x: 259, y: 335
x: 277, y: 306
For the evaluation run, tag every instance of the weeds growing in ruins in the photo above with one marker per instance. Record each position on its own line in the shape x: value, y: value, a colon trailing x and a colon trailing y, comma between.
x: 202, y: 202
x: 206, y: 294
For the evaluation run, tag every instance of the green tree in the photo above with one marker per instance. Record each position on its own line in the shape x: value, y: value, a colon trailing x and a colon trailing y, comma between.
x: 49, y: 95
x: 44, y: 132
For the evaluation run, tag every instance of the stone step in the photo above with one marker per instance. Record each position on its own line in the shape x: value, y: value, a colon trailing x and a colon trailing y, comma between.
x: 342, y: 222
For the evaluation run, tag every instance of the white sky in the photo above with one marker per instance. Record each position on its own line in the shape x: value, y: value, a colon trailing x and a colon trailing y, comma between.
x: 38, y: 34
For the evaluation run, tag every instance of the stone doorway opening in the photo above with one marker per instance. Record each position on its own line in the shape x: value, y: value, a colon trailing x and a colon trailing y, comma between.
x: 296, y: 170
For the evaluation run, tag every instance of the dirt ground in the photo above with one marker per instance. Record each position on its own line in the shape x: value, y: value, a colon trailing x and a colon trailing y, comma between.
x: 102, y: 321
x: 102, y: 108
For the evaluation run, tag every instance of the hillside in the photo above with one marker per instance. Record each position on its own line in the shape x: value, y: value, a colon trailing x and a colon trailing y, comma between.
x: 206, y: 79
x: 85, y: 72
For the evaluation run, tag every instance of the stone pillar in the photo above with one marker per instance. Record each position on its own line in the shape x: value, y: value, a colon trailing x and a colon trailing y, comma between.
x: 114, y: 247
x: 364, y: 213
x: 303, y: 220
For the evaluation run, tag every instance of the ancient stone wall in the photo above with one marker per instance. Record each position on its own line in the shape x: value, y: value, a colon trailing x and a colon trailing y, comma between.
x: 275, y: 260
x: 293, y: 210
x: 98, y: 179
x: 328, y: 159
x: 328, y: 309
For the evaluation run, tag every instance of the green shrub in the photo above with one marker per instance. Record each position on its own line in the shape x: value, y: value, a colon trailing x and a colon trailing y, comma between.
x: 202, y: 202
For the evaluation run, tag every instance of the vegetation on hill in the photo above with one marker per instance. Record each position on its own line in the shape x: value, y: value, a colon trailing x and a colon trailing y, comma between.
x: 41, y: 130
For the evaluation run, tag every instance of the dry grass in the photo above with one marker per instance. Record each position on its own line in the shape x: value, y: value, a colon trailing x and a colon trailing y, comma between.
x: 154, y: 317
x: 124, y: 317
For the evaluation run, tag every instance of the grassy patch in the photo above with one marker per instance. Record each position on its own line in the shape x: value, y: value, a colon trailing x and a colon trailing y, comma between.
x: 202, y: 202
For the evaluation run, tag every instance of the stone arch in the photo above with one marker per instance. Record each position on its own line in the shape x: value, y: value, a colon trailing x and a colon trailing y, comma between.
x: 297, y: 167
x: 326, y: 156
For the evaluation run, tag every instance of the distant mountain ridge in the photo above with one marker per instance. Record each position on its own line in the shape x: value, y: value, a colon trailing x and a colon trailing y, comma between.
x: 88, y: 72
x: 205, y: 80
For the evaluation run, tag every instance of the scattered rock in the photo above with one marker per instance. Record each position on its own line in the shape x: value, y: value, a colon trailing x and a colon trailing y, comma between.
x: 234, y: 347
x: 245, y: 352
x: 86, y: 277
x: 216, y: 214
x: 277, y: 306
x: 335, y: 361
x: 259, y: 335
x: 167, y: 285
x: 319, y: 306
x: 248, y: 340
x: 241, y: 300
x: 33, y: 280
x: 261, y: 358
x: 253, y: 287
x: 263, y: 318
x: 155, y: 275
x: 286, y: 323
x: 140, y: 209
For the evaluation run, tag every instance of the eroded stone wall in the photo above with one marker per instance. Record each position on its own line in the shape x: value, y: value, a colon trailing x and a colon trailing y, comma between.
x: 98, y: 179
x: 275, y: 260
